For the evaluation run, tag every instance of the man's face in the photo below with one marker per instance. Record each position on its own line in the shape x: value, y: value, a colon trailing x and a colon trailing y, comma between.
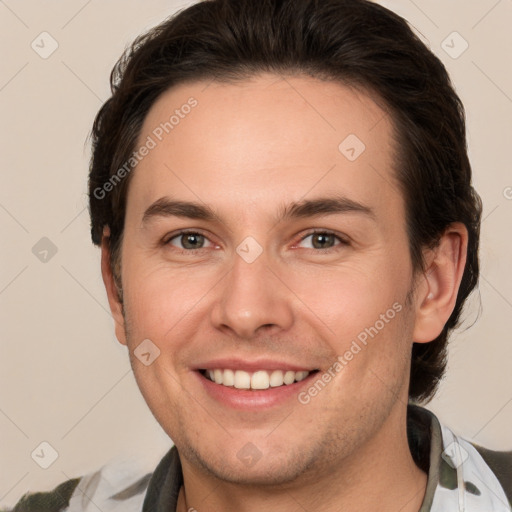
x: 254, y: 290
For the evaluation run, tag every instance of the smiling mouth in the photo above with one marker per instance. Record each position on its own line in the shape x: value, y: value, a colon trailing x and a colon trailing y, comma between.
x: 258, y: 380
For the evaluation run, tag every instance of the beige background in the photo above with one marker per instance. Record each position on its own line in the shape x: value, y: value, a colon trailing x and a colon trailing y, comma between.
x: 64, y: 377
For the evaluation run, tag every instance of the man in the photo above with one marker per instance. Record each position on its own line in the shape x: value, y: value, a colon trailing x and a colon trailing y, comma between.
x: 282, y: 196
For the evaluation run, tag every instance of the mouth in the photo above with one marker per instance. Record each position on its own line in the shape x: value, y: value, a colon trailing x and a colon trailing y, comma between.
x: 259, y: 380
x: 256, y: 385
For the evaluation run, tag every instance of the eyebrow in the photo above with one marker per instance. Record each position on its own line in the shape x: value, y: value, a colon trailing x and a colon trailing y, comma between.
x: 166, y: 207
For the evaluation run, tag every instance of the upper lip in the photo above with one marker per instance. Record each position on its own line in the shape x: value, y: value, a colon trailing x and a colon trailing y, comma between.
x: 253, y: 365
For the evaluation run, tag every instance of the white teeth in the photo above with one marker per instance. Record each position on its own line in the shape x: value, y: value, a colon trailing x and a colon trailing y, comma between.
x: 289, y: 377
x: 301, y: 376
x: 261, y: 379
x: 276, y: 378
x: 218, y: 374
x: 242, y: 380
x: 228, y: 379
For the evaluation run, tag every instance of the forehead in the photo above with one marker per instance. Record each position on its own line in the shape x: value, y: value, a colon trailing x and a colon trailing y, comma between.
x: 264, y: 140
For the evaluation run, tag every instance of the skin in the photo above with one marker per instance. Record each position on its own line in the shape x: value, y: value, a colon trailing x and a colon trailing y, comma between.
x: 246, y: 150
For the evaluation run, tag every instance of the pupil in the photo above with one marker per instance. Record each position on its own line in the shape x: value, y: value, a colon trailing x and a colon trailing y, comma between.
x: 323, y: 238
x: 191, y: 238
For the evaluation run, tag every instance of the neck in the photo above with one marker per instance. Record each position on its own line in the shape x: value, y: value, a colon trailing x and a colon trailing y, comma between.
x: 379, y: 475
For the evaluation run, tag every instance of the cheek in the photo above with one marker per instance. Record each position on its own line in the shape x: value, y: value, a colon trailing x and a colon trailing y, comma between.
x: 351, y: 298
x: 160, y: 297
x: 373, y: 355
x: 362, y: 312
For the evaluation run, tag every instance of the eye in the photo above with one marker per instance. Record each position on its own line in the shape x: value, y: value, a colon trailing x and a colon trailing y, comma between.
x: 188, y: 241
x: 324, y: 240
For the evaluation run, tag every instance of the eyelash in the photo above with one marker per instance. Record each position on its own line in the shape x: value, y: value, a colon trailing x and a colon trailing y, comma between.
x: 343, y: 241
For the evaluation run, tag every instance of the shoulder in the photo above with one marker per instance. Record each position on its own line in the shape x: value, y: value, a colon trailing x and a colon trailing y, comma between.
x: 117, y: 484
x: 500, y: 463
x: 482, y: 475
x: 461, y: 473
x: 51, y: 501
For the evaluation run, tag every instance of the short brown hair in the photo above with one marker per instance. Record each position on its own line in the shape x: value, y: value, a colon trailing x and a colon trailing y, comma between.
x: 354, y: 42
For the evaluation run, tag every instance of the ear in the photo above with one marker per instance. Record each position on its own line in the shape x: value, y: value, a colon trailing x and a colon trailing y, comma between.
x: 116, y: 306
x: 438, y: 288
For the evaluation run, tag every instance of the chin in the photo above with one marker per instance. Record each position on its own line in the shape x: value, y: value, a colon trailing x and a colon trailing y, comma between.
x: 260, y: 470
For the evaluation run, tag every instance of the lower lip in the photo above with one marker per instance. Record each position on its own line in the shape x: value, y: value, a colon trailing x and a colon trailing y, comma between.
x: 244, y: 399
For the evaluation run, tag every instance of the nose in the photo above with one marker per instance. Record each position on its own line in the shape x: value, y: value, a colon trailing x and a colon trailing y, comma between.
x: 252, y: 300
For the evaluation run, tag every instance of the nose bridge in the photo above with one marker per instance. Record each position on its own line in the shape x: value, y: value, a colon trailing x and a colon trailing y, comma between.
x: 252, y: 296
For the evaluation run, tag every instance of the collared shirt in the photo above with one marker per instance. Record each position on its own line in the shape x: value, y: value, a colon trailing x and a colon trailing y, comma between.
x: 462, y: 477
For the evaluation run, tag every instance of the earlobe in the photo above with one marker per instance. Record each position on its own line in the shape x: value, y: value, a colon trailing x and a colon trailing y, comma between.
x: 116, y: 306
x: 438, y: 293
